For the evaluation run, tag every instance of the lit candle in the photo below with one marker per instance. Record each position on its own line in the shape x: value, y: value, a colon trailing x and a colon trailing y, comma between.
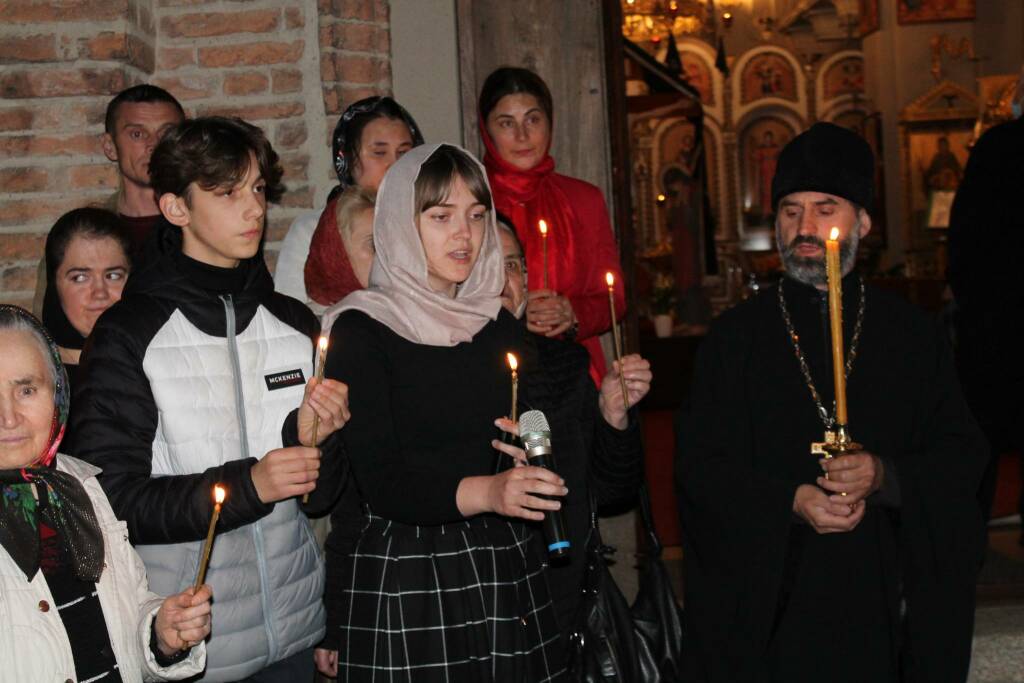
x: 835, y: 310
x: 219, y: 493
x: 321, y: 358
x: 543, y: 226
x: 610, y: 279
x: 513, y: 364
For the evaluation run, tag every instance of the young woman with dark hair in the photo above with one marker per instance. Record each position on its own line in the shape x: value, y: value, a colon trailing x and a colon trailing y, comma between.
x: 444, y: 581
x: 370, y: 136
x: 516, y: 117
x: 87, y: 265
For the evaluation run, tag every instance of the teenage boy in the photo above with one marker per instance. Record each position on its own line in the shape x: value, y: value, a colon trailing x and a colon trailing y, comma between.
x: 186, y: 383
x: 136, y: 119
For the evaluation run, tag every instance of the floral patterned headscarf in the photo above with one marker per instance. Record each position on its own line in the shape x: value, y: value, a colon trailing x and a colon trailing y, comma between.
x: 41, y: 492
x: 61, y: 389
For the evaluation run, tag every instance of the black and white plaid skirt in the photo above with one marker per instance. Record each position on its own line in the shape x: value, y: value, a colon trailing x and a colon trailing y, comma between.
x: 465, y: 601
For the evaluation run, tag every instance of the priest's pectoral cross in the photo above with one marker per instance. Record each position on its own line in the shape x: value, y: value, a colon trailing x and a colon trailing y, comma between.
x: 818, y: 447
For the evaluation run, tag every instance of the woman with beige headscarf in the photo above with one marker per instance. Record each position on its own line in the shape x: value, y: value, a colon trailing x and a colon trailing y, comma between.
x: 443, y: 581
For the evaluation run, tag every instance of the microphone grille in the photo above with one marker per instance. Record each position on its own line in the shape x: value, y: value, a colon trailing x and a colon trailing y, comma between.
x: 533, y: 421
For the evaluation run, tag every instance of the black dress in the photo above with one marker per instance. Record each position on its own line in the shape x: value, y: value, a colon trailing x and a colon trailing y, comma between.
x: 767, y: 599
x: 428, y: 594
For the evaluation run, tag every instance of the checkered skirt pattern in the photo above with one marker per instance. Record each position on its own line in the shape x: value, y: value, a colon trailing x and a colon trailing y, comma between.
x: 465, y: 601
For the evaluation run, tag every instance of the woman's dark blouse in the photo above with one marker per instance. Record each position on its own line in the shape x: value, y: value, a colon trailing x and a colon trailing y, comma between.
x: 422, y: 416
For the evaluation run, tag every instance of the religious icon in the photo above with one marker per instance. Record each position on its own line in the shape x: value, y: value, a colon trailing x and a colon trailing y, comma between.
x: 844, y: 77
x: 698, y: 74
x: 760, y: 146
x: 937, y: 161
x: 768, y: 75
x: 922, y: 11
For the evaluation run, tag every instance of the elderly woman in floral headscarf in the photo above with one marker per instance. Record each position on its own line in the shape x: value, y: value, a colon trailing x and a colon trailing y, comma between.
x: 75, y: 604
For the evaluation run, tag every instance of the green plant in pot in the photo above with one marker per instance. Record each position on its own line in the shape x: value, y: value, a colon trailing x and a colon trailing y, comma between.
x: 663, y: 302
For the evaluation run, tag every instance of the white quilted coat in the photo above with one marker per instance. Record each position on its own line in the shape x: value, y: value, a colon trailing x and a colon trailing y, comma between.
x: 33, y: 643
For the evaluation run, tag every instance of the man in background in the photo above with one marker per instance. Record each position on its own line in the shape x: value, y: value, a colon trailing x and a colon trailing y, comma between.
x: 136, y: 119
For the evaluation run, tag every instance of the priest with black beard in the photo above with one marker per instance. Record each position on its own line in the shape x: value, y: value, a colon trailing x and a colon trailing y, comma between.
x: 860, y: 568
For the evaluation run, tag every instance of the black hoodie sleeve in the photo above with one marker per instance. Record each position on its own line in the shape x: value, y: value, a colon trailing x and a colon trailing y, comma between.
x: 115, y: 421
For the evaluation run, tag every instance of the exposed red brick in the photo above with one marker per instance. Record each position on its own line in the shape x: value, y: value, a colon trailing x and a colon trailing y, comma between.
x: 290, y: 134
x: 204, y: 24
x: 171, y: 58
x: 105, y: 45
x: 299, y: 198
x: 332, y: 100
x: 365, y: 10
x: 38, y: 48
x: 26, y: 179
x: 293, y: 17
x: 38, y: 11
x: 189, y: 87
x: 359, y: 70
x: 250, y: 54
x: 24, y: 246
x: 141, y: 54
x: 256, y: 112
x: 61, y: 83
x: 18, y: 279
x: 286, y: 81
x: 93, y: 176
x: 328, y: 72
x: 16, y: 119
x: 246, y: 83
x: 66, y: 117
x: 48, y: 145
x: 350, y: 94
x: 350, y: 36
x: 295, y: 166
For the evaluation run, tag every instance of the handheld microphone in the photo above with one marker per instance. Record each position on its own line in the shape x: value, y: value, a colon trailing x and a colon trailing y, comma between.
x: 535, y: 433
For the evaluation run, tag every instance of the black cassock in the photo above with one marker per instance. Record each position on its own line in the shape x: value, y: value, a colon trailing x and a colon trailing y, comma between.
x: 767, y: 598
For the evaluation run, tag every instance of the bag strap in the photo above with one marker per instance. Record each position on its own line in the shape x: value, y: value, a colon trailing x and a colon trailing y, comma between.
x: 647, y: 516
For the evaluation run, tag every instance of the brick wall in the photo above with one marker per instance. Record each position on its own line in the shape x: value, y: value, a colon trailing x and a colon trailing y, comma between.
x: 290, y: 68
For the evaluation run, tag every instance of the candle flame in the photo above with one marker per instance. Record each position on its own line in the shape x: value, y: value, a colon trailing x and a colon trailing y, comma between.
x: 513, y: 362
x: 322, y: 343
x: 543, y: 227
x: 609, y: 278
x: 834, y: 235
x: 219, y: 493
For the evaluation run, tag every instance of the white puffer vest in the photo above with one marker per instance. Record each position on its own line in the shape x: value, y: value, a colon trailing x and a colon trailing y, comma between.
x: 267, y: 577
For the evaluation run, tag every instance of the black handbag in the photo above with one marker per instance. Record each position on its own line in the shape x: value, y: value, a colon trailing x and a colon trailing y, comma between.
x: 612, y: 642
x: 656, y: 612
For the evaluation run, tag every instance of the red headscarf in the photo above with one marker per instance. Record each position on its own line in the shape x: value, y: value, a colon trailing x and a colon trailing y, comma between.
x: 580, y: 243
x: 328, y: 273
x: 525, y: 197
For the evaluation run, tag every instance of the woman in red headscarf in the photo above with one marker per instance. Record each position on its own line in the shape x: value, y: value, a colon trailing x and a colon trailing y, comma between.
x: 515, y: 123
x: 342, y: 249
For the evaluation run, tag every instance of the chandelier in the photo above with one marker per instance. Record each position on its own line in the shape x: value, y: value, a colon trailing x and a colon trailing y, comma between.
x: 653, y: 20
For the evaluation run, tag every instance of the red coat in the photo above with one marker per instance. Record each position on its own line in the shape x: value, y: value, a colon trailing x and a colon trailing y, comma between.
x: 581, y: 244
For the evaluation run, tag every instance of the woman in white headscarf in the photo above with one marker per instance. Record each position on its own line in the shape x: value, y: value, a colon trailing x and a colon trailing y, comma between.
x: 443, y: 582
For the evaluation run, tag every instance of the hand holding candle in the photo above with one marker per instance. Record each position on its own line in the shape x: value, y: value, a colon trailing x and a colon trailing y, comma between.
x: 610, y: 279
x: 219, y: 494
